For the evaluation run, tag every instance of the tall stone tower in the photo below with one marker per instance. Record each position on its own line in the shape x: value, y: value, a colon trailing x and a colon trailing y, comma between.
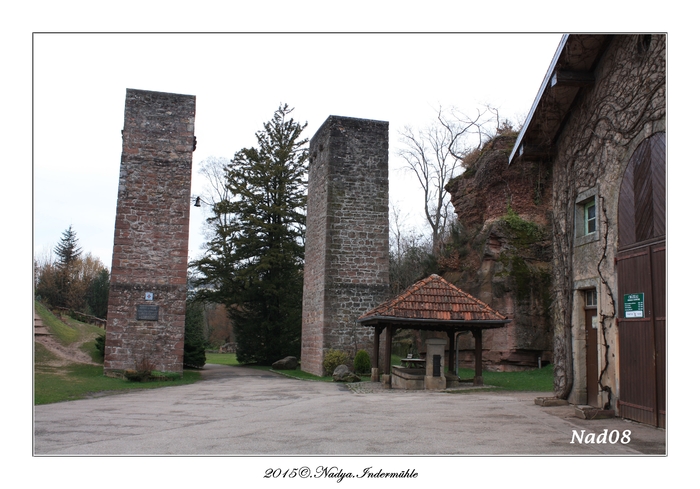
x: 148, y: 286
x: 346, y: 269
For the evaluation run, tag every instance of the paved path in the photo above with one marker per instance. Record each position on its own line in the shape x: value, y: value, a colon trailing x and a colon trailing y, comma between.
x: 243, y: 411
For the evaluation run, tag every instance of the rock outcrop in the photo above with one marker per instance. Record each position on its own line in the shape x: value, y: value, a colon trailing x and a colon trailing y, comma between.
x: 503, y: 254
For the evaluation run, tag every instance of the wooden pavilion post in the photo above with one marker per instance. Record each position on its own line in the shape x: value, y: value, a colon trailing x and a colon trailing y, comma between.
x: 451, y: 357
x: 387, y: 354
x: 478, y: 379
x: 375, y: 356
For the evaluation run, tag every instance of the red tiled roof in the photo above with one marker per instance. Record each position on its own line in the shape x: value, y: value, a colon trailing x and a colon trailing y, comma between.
x: 434, y: 298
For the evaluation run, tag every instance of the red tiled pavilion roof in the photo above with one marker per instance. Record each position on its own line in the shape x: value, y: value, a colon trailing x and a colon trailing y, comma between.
x: 435, y: 300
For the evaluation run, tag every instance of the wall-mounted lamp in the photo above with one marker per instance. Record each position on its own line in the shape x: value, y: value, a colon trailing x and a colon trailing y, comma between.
x: 198, y: 201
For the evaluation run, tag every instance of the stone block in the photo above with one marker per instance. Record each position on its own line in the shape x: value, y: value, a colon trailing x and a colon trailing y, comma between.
x: 588, y: 412
x: 407, y: 378
x: 550, y: 401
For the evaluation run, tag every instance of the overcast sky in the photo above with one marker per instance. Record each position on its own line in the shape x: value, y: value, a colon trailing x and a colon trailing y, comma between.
x: 80, y: 82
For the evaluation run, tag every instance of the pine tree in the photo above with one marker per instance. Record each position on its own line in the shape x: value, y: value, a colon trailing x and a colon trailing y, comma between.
x: 67, y: 249
x: 66, y: 279
x: 97, y: 295
x: 255, y: 260
x: 194, y: 349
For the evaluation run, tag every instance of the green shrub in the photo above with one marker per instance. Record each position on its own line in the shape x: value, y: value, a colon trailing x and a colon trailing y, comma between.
x: 334, y: 358
x: 362, y: 363
x: 137, y: 375
x: 100, y: 345
x: 526, y: 232
x: 142, y: 372
x: 157, y: 375
x: 194, y: 349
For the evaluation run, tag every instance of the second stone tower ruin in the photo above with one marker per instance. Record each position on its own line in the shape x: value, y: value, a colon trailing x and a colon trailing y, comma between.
x: 347, y: 236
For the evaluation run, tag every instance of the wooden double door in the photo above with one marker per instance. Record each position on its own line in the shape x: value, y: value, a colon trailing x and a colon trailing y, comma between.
x: 641, y: 277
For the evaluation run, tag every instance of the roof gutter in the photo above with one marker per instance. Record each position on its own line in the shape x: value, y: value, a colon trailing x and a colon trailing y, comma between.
x: 517, y: 148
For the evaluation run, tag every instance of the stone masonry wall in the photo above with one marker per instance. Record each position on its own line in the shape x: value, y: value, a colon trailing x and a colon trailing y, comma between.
x: 347, y: 236
x: 591, y: 156
x: 151, y: 234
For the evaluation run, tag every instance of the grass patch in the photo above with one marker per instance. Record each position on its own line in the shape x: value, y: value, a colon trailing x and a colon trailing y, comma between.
x: 61, y: 331
x: 294, y: 374
x: 43, y: 355
x: 300, y: 374
x: 222, y: 358
x: 69, y: 331
x: 230, y: 359
x: 537, y: 380
x: 90, y: 348
x: 78, y: 381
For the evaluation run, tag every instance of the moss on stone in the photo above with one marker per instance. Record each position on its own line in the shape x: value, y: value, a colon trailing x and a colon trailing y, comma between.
x: 525, y: 233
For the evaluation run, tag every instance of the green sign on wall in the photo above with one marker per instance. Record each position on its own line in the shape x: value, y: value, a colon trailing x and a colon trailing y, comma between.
x: 634, y: 305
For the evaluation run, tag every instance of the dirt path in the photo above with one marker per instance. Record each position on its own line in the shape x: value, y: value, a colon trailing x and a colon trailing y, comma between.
x: 66, y: 354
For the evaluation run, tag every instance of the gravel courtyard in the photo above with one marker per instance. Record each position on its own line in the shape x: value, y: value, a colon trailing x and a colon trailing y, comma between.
x: 241, y: 411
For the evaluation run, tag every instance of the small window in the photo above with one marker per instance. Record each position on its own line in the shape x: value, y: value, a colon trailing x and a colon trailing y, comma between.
x: 586, y: 225
x: 591, y: 298
x: 589, y: 217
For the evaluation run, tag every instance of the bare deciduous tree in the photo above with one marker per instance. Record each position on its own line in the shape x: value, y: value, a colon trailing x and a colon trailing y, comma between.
x: 409, y: 253
x: 213, y: 169
x: 434, y: 153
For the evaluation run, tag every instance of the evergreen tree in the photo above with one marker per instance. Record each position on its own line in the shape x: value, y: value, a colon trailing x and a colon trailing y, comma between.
x: 67, y: 271
x: 195, y: 354
x: 77, y: 281
x: 67, y: 249
x: 98, y: 294
x: 254, y: 263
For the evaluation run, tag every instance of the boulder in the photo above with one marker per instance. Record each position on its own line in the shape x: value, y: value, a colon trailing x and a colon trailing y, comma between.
x: 287, y: 363
x: 342, y: 373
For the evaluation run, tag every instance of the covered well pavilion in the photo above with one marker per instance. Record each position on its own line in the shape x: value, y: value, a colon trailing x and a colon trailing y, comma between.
x: 433, y: 304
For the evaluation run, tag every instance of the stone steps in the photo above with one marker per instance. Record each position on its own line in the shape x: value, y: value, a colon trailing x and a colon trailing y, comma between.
x: 39, y: 328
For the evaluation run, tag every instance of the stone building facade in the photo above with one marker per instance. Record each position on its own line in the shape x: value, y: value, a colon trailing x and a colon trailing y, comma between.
x: 598, y: 124
x: 346, y: 269
x: 148, y: 287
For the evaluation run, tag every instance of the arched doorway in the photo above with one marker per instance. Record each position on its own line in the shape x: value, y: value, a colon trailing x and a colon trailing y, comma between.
x: 641, y: 277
